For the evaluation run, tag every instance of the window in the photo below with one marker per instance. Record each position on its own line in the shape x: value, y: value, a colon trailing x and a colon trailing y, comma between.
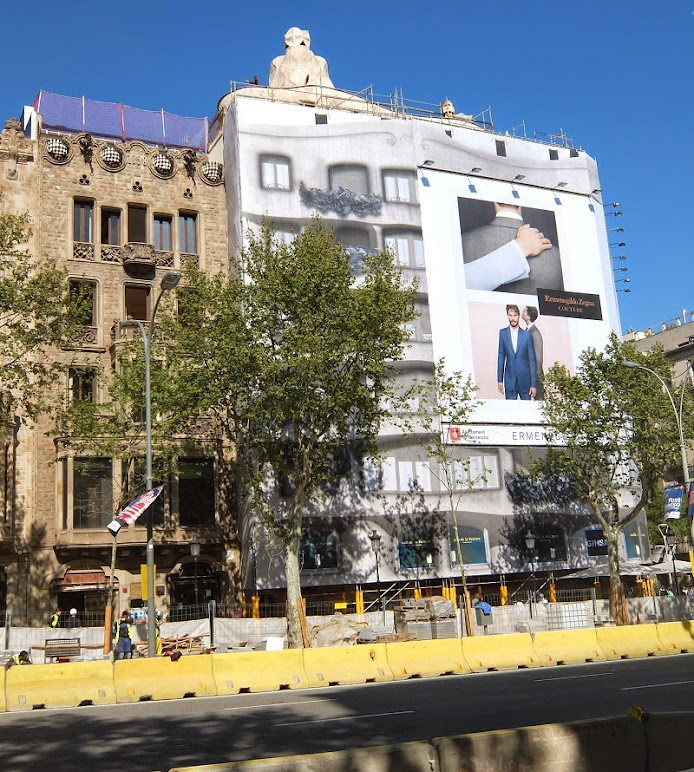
x: 472, y: 545
x: 392, y: 475
x: 137, y: 302
x: 632, y: 541
x: 285, y: 233
x: 83, y: 297
x: 553, y: 154
x: 274, y: 172
x: 550, y: 545
x: 110, y: 227
x: 162, y: 232
x: 196, y: 492
x: 321, y: 119
x: 137, y: 223
x: 476, y: 473
x: 408, y: 248
x: 318, y: 548
x: 416, y: 548
x: 357, y: 245
x: 92, y: 497
x: 414, y: 476
x: 500, y: 147
x: 83, y: 216
x: 81, y: 384
x: 350, y: 177
x: 187, y: 237
x: 400, y: 186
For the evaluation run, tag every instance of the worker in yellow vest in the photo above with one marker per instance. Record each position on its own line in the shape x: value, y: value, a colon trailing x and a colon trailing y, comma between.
x: 18, y: 659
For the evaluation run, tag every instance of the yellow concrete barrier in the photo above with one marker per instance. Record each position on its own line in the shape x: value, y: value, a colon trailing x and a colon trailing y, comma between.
x: 347, y: 664
x: 162, y: 679
x: 676, y: 637
x: 259, y: 671
x: 59, y: 686
x: 413, y: 757
x: 426, y: 658
x: 627, y: 641
x: 500, y: 652
x: 3, y: 703
x: 598, y: 745
x: 568, y: 647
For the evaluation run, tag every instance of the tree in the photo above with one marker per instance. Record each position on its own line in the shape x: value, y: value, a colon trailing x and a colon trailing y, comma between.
x: 37, y: 313
x: 616, y: 434
x: 289, y: 358
x: 444, y: 400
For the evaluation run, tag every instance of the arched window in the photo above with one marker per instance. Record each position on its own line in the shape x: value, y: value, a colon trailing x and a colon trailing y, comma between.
x: 318, y: 548
x: 473, y: 544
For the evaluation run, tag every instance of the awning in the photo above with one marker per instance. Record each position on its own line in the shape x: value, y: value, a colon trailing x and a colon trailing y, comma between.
x: 631, y: 569
x: 80, y: 581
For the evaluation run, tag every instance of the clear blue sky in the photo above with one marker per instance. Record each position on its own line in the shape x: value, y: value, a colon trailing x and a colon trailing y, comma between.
x: 615, y: 75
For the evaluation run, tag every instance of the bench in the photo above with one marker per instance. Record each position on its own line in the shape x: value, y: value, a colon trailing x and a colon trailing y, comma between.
x: 61, y: 648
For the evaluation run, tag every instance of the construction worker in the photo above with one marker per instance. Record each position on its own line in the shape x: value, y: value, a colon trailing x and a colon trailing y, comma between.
x: 18, y: 659
x: 54, y: 621
x: 123, y: 638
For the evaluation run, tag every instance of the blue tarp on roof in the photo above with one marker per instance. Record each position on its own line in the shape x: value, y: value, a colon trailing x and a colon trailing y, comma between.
x: 118, y: 121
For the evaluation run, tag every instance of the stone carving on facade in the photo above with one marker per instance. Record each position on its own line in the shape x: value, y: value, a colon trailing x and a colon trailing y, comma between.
x: 86, y: 146
x: 111, y: 157
x: 299, y: 66
x: 212, y: 172
x: 138, y: 256
x: 15, y: 148
x: 190, y: 163
x: 341, y: 201
x: 162, y: 165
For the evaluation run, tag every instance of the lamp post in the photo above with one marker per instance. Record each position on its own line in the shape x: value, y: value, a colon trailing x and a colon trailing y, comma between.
x: 530, y: 544
x: 169, y: 281
x: 678, y: 418
x: 669, y: 539
x: 376, y: 547
x: 195, y: 552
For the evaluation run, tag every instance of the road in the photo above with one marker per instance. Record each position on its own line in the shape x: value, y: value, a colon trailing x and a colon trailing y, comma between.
x: 160, y: 735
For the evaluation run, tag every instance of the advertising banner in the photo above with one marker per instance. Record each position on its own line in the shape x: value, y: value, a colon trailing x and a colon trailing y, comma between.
x: 673, y: 501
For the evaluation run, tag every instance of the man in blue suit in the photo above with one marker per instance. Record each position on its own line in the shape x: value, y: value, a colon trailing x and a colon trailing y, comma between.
x: 516, y: 369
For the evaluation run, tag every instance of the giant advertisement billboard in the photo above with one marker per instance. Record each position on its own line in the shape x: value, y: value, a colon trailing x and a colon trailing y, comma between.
x: 519, y: 277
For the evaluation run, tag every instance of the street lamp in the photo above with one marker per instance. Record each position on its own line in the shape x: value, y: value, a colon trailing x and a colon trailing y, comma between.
x: 168, y: 282
x: 678, y: 419
x: 669, y: 540
x: 376, y: 547
x: 530, y: 544
x: 195, y: 553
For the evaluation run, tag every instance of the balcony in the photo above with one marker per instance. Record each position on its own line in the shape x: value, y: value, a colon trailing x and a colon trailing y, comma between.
x: 138, y: 258
x: 82, y: 250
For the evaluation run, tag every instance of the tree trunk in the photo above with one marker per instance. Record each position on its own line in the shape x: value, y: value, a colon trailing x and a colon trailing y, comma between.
x: 618, y: 606
x: 291, y: 567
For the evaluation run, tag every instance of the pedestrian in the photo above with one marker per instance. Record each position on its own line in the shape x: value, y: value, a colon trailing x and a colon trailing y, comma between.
x: 541, y: 598
x: 18, y: 659
x: 73, y: 620
x: 54, y: 621
x: 123, y: 637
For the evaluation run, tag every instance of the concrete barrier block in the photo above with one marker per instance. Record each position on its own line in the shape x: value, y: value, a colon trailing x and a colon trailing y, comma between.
x: 676, y: 637
x: 59, y: 686
x: 568, y: 647
x: 358, y: 664
x: 259, y: 671
x: 3, y: 702
x: 415, y: 659
x: 602, y: 745
x: 407, y: 757
x: 500, y: 652
x: 668, y: 739
x: 630, y: 641
x: 162, y: 679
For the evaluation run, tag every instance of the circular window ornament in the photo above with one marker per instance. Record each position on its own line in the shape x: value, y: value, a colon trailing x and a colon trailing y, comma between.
x: 212, y: 172
x: 111, y: 157
x: 58, y: 150
x: 163, y: 165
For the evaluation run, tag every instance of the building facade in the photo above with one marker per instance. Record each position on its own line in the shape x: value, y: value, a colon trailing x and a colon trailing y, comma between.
x: 118, y: 196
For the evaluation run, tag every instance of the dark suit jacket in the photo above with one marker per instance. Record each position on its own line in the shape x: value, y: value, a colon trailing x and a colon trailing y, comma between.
x: 517, y: 370
x: 545, y: 269
x: 538, y: 346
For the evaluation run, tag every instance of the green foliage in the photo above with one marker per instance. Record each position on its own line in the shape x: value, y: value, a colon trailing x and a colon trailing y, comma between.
x: 36, y: 314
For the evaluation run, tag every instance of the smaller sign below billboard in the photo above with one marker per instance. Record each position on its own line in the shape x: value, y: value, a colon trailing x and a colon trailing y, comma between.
x: 573, y: 305
x: 596, y: 542
x: 495, y: 434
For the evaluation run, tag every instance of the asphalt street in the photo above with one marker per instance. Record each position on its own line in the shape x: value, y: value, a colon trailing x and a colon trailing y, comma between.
x: 160, y: 735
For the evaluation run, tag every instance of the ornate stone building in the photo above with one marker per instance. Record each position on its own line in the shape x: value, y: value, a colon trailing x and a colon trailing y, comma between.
x: 116, y: 197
